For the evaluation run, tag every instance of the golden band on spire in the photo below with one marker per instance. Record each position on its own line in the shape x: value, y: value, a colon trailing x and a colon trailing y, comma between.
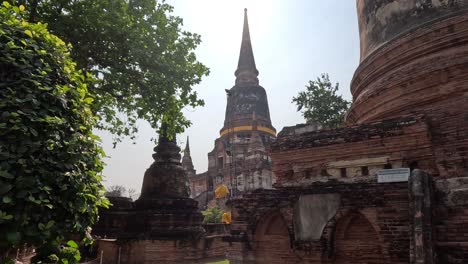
x: 248, y: 128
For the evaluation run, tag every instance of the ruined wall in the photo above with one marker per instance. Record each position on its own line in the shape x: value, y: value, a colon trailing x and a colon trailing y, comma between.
x: 351, y: 154
x: 198, y: 184
x: 381, y: 21
x: 123, y: 235
x: 372, y: 218
x: 451, y: 220
x: 162, y: 251
x: 344, y: 162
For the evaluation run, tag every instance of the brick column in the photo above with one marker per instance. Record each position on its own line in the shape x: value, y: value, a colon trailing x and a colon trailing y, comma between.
x: 420, y: 218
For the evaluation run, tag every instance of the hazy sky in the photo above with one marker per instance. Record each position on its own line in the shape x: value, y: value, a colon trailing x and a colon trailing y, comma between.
x: 293, y: 41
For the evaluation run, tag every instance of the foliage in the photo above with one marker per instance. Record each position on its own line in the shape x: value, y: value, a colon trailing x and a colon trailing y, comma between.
x: 320, y: 103
x: 53, y: 258
x: 70, y: 253
x: 212, y: 215
x: 50, y: 162
x: 143, y: 59
x: 8, y: 261
x: 65, y: 254
x: 116, y: 191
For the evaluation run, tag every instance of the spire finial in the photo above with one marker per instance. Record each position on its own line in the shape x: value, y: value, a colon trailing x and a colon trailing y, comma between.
x: 187, y: 147
x: 246, y: 72
x: 167, y: 149
x: 187, y: 163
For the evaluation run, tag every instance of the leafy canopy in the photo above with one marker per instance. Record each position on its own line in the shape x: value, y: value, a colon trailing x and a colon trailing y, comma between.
x: 144, y: 61
x: 50, y: 162
x: 320, y: 103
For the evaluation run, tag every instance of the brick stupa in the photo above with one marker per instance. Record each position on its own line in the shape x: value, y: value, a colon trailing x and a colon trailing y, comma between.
x: 163, y: 224
x: 164, y: 207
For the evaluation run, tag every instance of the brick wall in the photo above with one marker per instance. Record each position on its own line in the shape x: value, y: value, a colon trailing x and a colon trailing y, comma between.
x: 308, y: 157
x: 381, y: 209
x: 163, y: 251
x: 422, y: 72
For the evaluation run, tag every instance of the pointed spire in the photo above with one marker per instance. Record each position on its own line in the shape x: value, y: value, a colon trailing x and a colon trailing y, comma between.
x: 187, y: 163
x: 246, y: 72
x: 187, y: 148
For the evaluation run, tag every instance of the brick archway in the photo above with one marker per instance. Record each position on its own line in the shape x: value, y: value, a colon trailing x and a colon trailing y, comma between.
x: 271, y: 240
x: 356, y: 241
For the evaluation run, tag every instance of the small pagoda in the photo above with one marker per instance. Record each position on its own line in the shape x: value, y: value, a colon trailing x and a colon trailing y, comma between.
x: 163, y: 225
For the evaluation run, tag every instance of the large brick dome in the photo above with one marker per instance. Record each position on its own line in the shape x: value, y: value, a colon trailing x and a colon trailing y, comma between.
x: 414, y: 58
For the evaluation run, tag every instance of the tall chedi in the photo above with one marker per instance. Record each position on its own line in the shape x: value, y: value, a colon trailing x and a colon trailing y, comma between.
x: 240, y: 158
x: 247, y: 106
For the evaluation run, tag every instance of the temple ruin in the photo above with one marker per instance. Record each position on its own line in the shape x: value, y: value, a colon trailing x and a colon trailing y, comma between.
x: 240, y: 158
x: 389, y: 187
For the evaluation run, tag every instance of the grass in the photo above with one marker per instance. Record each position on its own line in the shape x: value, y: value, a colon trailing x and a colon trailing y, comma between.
x: 219, y: 262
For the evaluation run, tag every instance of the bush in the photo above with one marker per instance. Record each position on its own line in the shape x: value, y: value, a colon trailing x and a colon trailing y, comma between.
x: 64, y: 254
x: 212, y: 215
x: 50, y: 162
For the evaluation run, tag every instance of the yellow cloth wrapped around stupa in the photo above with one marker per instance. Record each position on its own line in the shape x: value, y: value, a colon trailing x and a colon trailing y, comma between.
x: 221, y: 191
x: 226, y: 219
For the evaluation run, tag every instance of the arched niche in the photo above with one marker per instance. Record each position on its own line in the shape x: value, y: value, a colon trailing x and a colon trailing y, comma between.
x: 356, y: 241
x: 272, y: 240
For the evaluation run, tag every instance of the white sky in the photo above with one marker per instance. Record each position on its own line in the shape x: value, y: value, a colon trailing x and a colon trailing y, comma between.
x: 293, y: 41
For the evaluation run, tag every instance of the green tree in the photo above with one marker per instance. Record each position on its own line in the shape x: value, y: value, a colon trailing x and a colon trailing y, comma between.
x: 144, y: 60
x: 320, y: 103
x: 50, y: 162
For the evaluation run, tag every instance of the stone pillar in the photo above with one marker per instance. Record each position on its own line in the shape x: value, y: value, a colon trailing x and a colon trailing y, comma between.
x: 421, y: 249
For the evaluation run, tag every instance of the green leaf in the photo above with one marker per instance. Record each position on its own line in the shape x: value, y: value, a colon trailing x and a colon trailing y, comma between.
x: 90, y: 196
x: 50, y: 224
x: 7, y: 217
x: 29, y: 33
x: 72, y: 244
x: 6, y: 199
